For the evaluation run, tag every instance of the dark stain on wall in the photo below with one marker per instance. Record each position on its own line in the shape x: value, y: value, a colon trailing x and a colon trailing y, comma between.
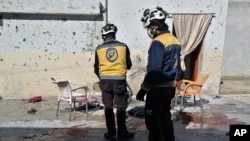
x: 25, y: 64
x: 16, y: 28
x: 16, y: 47
x: 138, y: 58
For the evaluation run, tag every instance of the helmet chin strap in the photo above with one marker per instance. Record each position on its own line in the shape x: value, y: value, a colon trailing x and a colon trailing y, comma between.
x: 104, y: 37
x: 152, y: 34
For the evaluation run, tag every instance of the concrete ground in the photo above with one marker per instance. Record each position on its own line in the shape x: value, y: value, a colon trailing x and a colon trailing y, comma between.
x: 210, y: 124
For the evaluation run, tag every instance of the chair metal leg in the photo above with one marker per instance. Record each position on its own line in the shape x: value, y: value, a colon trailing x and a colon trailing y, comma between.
x: 181, y: 103
x: 175, y: 103
x: 194, y: 100
x: 74, y: 102
x: 58, y: 103
x: 201, y: 103
x: 87, y: 108
x: 74, y: 105
x: 70, y: 112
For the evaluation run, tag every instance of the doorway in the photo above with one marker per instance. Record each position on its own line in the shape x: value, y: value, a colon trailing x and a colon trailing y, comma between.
x: 192, y: 61
x: 190, y: 29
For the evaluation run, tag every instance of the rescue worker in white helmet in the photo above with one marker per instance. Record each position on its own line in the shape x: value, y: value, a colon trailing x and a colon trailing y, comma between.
x: 163, y: 72
x: 112, y: 60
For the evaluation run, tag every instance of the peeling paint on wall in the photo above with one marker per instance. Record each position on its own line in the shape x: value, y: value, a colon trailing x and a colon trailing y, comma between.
x: 52, y: 36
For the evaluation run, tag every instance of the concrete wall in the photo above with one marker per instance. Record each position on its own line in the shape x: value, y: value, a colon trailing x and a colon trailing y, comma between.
x: 236, y: 51
x: 45, y: 39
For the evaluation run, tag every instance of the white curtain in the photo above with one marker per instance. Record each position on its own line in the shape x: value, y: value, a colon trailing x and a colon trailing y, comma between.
x: 190, y: 30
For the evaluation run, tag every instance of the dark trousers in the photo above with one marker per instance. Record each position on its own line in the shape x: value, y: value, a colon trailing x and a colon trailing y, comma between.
x: 157, y: 114
x: 113, y: 95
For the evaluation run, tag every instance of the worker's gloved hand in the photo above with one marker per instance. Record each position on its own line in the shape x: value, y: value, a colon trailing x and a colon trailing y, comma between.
x: 140, y: 95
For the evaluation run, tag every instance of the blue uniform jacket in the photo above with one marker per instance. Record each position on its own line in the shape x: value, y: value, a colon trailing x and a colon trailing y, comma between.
x: 163, y: 66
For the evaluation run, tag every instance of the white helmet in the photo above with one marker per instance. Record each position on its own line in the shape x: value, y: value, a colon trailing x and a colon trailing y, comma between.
x: 153, y: 14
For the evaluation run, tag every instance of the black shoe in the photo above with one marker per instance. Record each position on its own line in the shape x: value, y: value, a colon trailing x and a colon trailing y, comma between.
x: 109, y: 137
x: 126, y: 135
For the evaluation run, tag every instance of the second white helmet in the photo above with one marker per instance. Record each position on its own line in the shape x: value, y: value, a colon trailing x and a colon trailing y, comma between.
x: 153, y: 14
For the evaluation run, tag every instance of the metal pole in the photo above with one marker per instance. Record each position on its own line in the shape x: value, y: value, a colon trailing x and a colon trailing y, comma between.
x: 106, y: 11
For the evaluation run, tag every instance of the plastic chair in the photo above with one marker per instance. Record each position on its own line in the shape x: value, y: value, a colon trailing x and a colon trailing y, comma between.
x: 190, y: 88
x: 66, y: 93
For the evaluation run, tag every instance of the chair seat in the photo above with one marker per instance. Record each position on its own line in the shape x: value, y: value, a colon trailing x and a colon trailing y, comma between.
x: 189, y: 92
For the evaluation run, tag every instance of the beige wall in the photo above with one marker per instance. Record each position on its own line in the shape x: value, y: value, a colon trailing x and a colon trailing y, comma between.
x: 211, y: 64
x: 28, y: 74
x: 23, y: 75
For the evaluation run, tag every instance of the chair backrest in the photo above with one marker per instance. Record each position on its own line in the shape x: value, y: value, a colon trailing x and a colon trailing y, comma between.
x: 201, y: 78
x: 64, y: 90
x: 196, y: 90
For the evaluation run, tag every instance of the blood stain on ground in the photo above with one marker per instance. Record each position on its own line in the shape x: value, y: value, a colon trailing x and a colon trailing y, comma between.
x: 217, y: 120
x: 214, y: 120
x: 137, y: 124
x: 77, y: 132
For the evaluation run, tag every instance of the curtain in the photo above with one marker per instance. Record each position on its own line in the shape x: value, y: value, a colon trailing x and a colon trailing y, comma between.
x: 190, y: 30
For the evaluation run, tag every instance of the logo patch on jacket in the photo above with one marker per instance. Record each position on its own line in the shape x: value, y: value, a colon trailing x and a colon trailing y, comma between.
x: 111, y: 54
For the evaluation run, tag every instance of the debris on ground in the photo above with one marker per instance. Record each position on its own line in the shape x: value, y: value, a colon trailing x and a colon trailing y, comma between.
x: 32, y: 111
x: 33, y: 99
x: 216, y: 97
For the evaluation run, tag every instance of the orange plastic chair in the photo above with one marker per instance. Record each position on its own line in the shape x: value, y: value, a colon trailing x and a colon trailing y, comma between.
x: 66, y: 93
x: 190, y: 88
